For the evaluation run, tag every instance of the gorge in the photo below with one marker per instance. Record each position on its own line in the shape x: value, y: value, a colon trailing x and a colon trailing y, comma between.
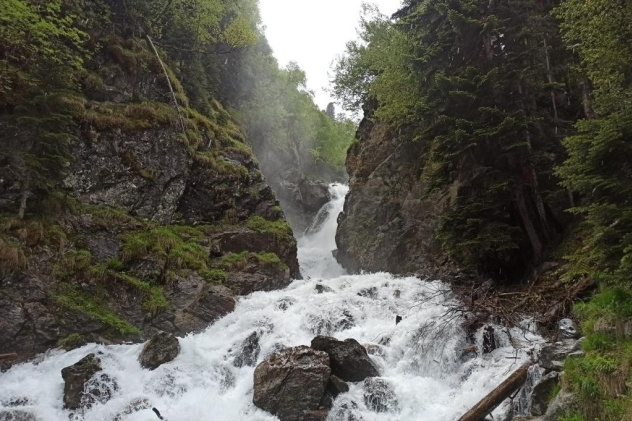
x: 186, y: 234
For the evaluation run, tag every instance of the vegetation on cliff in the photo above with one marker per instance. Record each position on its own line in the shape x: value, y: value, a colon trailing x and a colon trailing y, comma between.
x: 522, y: 111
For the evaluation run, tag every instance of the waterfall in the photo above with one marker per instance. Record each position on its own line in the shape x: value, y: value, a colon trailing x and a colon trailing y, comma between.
x: 422, y: 357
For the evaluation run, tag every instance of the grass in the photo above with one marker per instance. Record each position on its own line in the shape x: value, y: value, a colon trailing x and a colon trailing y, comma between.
x: 214, y: 276
x: 11, y: 255
x: 279, y: 229
x: 603, y: 377
x: 237, y: 261
x: 177, y: 247
x: 73, y: 299
x: 213, y: 160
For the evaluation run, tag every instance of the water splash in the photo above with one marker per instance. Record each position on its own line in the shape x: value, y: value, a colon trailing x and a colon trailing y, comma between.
x: 421, y: 357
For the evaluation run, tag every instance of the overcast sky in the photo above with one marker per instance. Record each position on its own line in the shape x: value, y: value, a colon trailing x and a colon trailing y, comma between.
x: 313, y: 33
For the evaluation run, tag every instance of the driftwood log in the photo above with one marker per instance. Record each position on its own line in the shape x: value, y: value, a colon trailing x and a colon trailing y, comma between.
x: 496, y: 396
x: 12, y: 356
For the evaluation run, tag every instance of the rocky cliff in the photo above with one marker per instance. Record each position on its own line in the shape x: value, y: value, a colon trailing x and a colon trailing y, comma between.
x: 159, y: 220
x: 388, y: 223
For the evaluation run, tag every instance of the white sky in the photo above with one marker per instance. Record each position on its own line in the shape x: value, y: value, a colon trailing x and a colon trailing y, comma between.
x: 313, y: 33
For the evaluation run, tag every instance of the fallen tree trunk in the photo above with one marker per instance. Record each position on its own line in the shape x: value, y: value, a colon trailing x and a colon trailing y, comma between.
x: 496, y: 396
x: 12, y: 356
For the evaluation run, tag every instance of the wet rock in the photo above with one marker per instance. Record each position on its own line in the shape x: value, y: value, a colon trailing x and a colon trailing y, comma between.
x: 567, y: 330
x: 374, y: 349
x: 76, y: 377
x: 314, y: 195
x: 320, y: 288
x: 160, y: 349
x: 379, y: 395
x: 345, y: 409
x: 336, y: 386
x: 249, y: 351
x: 315, y: 415
x: 16, y: 415
x: 368, y: 292
x: 138, y: 404
x: 542, y: 392
x: 552, y: 356
x: 211, y: 303
x: 349, y: 359
x: 291, y: 382
x: 489, y: 340
x: 344, y: 322
x: 285, y: 303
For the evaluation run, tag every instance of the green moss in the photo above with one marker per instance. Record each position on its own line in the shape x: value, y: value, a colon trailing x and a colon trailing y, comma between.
x: 72, y: 341
x: 214, y: 276
x: 11, y: 254
x: 73, y: 299
x: 279, y: 229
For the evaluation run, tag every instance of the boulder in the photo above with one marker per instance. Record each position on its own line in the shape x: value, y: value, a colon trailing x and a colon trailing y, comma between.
x: 379, y: 396
x: 291, y: 382
x: 248, y: 351
x: 541, y: 393
x: 76, y: 377
x: 160, y: 349
x: 320, y: 288
x: 336, y: 386
x: 314, y: 195
x: 349, y: 359
x: 566, y: 329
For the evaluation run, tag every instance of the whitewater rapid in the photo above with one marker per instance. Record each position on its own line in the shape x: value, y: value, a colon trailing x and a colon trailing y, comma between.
x: 421, y: 357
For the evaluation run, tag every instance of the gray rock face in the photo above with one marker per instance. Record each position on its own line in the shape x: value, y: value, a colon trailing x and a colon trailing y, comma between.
x: 314, y: 195
x: 142, y: 173
x: 292, y: 382
x: 76, y: 378
x: 349, y: 359
x: 160, y: 349
x: 552, y: 356
x: 379, y: 395
x: 388, y: 224
x: 541, y: 393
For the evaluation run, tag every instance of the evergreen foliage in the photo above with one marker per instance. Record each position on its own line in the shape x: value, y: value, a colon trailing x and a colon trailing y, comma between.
x: 476, y: 83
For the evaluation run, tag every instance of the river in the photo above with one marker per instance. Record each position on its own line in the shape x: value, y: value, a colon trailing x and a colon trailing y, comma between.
x: 421, y: 357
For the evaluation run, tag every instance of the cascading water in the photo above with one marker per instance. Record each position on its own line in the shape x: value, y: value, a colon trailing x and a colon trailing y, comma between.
x: 421, y: 357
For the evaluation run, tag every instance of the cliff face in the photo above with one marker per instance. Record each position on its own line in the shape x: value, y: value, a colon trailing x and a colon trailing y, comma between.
x: 160, y: 219
x: 387, y: 223
x: 390, y: 222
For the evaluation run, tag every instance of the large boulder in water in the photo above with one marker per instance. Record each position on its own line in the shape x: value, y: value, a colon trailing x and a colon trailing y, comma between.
x: 291, y: 383
x: 161, y: 348
x: 349, y: 359
x: 76, y: 377
x: 314, y: 194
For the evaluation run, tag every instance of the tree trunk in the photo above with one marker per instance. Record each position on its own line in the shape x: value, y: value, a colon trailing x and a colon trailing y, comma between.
x: 24, y: 195
x: 496, y: 396
x: 534, y: 239
x: 173, y: 94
